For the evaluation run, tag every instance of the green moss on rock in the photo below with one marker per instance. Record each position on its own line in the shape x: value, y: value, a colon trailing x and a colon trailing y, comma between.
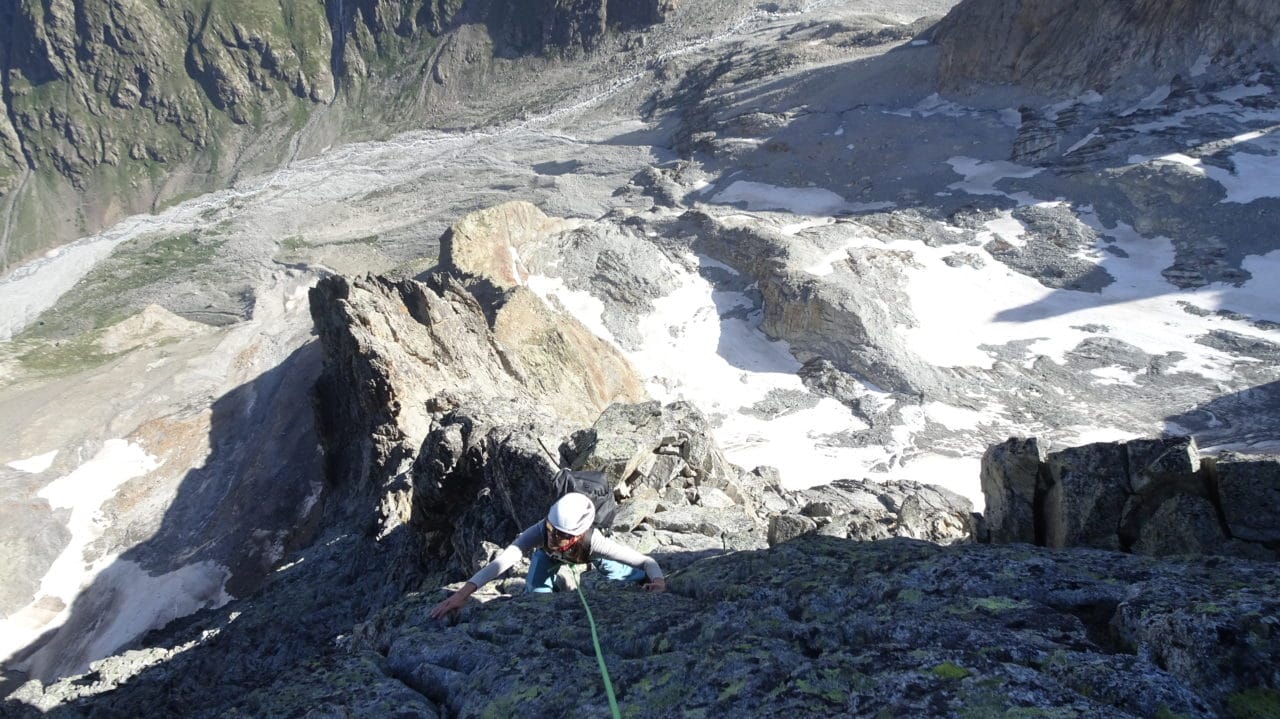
x: 1258, y: 703
x: 950, y: 670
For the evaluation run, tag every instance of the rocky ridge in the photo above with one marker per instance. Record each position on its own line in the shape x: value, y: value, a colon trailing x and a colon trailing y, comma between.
x: 812, y: 624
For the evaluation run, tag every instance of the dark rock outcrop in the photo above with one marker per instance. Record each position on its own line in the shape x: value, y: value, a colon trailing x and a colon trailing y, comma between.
x: 1249, y: 495
x: 1010, y: 483
x: 1154, y: 497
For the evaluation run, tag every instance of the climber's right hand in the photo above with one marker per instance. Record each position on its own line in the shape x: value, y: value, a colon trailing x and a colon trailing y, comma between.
x: 454, y: 602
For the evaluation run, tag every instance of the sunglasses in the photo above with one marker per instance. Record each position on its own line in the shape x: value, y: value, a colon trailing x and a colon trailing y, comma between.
x: 558, y: 536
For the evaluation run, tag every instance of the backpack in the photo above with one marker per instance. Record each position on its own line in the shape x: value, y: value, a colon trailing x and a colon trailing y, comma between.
x: 595, y: 486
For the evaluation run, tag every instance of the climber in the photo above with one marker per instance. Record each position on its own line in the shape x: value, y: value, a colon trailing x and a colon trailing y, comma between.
x: 564, y: 537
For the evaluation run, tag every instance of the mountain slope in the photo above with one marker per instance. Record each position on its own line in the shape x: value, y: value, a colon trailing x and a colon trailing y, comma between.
x: 118, y: 107
x: 1125, y: 48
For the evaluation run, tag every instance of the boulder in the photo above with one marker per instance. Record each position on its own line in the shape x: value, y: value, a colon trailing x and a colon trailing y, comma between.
x: 1087, y: 490
x: 653, y: 445
x: 1011, y: 479
x: 486, y: 246
x: 1249, y: 492
x: 1164, y: 465
x: 786, y: 527
x: 1164, y: 471
x: 865, y: 510
x: 1184, y: 524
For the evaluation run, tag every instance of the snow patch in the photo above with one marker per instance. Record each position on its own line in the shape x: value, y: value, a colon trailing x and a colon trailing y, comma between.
x: 1255, y: 176
x: 1089, y: 98
x: 126, y: 602
x: 1011, y: 117
x: 725, y: 365
x: 958, y: 418
x: 1084, y: 141
x: 980, y: 177
x: 956, y: 474
x: 1240, y: 92
x: 797, y: 200
x: 34, y: 465
x: 84, y: 491
x: 1201, y: 66
x: 933, y: 105
x: 1079, y: 436
x: 795, y: 228
x: 1115, y: 375
x: 1152, y: 101
x: 581, y: 304
x: 1007, y: 228
x: 954, y: 321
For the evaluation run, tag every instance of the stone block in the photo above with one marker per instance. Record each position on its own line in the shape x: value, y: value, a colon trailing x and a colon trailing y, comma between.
x: 714, y: 498
x: 1184, y: 524
x: 785, y: 527
x: 1249, y: 493
x: 632, y: 513
x: 1010, y: 474
x: 1086, y: 496
x: 1170, y: 464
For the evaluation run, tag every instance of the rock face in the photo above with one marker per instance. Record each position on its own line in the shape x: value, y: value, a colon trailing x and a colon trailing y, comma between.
x: 1099, y: 45
x: 117, y: 108
x: 182, y: 502
x: 1011, y: 484
x: 1153, y: 497
x: 847, y: 320
x: 418, y: 349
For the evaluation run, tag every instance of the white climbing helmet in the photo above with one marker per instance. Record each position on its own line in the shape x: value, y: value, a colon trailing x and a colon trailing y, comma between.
x: 572, y: 514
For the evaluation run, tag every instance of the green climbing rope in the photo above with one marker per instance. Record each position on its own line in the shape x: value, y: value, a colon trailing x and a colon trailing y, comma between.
x: 595, y: 640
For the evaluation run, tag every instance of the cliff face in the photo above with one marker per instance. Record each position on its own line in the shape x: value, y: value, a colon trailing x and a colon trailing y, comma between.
x: 1101, y: 45
x: 116, y: 107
